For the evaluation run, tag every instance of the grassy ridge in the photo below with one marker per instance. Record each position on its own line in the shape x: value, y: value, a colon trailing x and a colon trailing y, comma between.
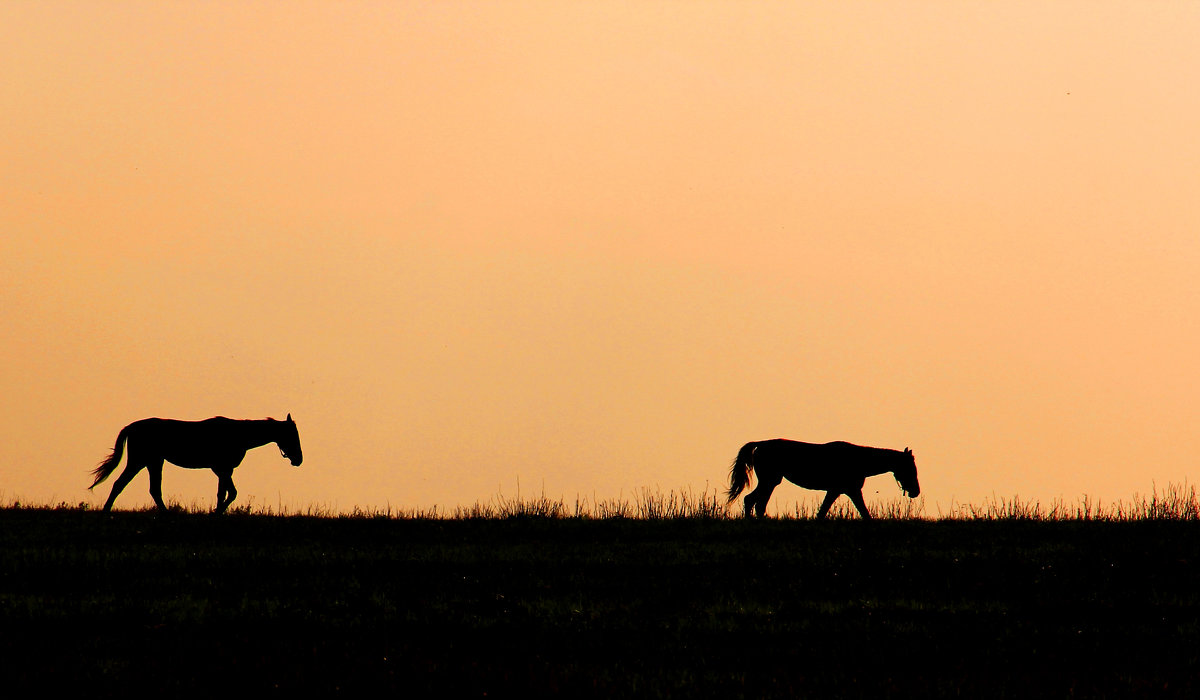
x: 545, y: 605
x: 1177, y: 503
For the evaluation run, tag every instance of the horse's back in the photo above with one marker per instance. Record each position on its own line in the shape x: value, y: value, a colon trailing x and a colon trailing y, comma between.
x: 830, y: 465
x: 175, y: 427
x: 838, y: 448
x: 796, y: 448
x: 186, y: 443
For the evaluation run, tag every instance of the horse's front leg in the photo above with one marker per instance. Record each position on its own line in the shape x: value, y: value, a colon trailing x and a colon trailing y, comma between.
x: 860, y: 504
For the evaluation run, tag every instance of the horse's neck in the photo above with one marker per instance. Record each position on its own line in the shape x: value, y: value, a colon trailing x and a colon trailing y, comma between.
x: 890, y: 467
x: 257, y: 433
x: 875, y: 471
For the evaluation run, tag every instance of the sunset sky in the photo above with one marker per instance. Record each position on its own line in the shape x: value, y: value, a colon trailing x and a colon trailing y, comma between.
x: 597, y: 246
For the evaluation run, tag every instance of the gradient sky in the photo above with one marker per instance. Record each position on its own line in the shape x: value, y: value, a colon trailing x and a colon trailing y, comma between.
x: 596, y: 247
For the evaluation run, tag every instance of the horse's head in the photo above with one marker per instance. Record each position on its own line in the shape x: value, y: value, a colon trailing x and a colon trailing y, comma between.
x: 289, y: 442
x: 906, y: 474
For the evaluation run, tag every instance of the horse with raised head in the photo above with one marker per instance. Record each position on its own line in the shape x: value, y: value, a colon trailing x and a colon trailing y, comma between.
x: 218, y: 444
x: 835, y: 467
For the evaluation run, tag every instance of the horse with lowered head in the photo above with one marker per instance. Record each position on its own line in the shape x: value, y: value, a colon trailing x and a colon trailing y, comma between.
x: 218, y: 444
x: 835, y: 467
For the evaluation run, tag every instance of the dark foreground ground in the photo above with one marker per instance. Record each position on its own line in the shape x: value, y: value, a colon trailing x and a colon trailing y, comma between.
x: 201, y: 605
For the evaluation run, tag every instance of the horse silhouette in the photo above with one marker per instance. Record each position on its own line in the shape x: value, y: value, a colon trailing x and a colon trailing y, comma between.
x: 217, y: 443
x: 835, y: 467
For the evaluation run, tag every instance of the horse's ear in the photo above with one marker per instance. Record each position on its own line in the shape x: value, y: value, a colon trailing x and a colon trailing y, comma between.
x: 907, y: 451
x: 290, y: 418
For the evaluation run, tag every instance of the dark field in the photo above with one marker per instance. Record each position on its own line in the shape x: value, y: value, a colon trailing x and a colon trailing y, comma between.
x: 258, y: 604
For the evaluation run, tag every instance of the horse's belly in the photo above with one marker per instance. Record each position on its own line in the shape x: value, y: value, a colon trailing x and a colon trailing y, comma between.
x: 204, y: 458
x: 824, y: 478
x: 807, y: 481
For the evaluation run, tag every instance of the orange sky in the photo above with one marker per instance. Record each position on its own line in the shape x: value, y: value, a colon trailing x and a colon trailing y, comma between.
x: 598, y: 246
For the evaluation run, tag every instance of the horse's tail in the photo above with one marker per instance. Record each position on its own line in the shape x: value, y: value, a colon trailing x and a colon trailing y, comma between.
x: 739, y: 473
x: 108, y: 466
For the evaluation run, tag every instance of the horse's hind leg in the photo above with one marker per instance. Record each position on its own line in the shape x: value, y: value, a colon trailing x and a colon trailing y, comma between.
x: 155, y: 470
x: 225, y: 490
x: 826, y: 504
x: 756, y: 502
x: 131, y: 470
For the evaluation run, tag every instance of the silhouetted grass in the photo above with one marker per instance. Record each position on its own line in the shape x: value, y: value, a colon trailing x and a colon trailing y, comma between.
x: 661, y: 595
x: 1176, y: 503
x: 1179, y: 502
